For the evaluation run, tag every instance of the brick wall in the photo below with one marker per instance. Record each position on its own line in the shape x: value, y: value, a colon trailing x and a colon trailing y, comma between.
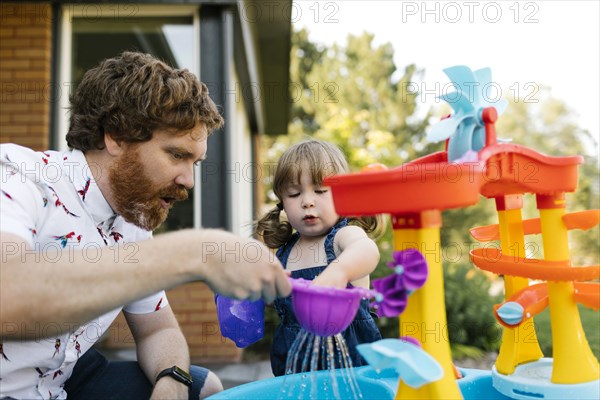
x: 25, y: 59
x: 194, y: 306
x: 25, y: 51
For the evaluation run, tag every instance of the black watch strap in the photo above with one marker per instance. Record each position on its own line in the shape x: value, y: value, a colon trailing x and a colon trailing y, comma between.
x: 176, y: 373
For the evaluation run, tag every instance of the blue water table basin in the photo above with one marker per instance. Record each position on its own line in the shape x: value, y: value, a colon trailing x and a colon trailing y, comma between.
x: 475, y: 385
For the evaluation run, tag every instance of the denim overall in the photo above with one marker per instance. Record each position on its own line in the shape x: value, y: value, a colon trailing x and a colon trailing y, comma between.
x: 361, y: 330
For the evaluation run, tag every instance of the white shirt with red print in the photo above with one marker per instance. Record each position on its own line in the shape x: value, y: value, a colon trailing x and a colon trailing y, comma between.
x: 52, y: 201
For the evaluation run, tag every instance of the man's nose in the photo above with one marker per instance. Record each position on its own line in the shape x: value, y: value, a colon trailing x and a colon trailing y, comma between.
x: 186, y: 178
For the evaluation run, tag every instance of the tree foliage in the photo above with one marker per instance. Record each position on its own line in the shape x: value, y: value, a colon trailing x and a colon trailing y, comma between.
x: 353, y: 96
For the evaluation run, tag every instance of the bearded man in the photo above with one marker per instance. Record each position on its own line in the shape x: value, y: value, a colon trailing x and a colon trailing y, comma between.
x: 137, y: 128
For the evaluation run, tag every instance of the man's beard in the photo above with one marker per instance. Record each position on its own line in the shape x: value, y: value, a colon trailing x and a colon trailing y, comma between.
x: 135, y: 197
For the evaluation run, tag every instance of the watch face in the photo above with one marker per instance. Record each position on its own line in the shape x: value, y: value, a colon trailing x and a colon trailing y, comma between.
x: 178, y: 374
x: 184, y: 375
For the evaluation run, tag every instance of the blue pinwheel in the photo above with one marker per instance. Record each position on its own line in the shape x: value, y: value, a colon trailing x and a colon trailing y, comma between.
x: 413, y: 364
x: 465, y: 128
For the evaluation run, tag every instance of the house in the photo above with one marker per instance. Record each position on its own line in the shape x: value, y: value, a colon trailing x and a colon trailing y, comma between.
x: 240, y: 49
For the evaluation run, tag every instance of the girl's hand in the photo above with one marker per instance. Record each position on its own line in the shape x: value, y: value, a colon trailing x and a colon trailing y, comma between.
x: 332, y: 277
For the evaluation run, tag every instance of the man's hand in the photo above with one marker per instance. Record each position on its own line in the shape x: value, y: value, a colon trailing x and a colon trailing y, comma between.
x: 168, y: 388
x: 242, y: 268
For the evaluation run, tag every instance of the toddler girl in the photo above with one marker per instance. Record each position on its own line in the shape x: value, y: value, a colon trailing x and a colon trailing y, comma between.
x: 315, y: 243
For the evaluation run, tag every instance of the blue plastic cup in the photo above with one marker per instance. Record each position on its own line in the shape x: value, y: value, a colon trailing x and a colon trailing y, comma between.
x: 242, y: 321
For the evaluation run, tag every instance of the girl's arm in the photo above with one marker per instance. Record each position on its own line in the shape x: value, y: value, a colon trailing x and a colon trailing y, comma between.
x: 358, y: 256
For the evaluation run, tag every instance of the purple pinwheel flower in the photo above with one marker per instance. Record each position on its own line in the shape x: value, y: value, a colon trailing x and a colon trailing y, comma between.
x: 393, y: 296
x: 411, y: 267
x: 411, y: 274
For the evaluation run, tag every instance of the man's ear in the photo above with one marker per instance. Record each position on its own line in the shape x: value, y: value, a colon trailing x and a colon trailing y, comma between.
x: 113, y: 147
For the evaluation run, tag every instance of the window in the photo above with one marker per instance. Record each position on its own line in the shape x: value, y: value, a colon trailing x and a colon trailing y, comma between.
x: 168, y: 38
x: 91, y: 33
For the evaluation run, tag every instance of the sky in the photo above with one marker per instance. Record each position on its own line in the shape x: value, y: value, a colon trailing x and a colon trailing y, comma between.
x: 525, y: 43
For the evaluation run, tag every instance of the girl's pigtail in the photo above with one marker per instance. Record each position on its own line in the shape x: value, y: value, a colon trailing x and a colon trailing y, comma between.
x: 274, y: 232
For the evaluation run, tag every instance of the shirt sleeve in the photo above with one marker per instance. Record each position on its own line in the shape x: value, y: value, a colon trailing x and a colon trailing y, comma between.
x: 148, y: 305
x: 21, y: 202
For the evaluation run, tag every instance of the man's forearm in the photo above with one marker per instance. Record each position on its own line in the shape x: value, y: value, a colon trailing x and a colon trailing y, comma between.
x: 74, y: 290
x: 162, y: 350
x: 160, y: 345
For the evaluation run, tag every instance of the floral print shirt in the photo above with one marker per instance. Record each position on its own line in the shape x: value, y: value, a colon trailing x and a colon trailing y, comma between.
x: 50, y: 199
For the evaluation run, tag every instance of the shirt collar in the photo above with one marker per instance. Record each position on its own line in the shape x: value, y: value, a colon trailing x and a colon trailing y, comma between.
x: 81, y: 176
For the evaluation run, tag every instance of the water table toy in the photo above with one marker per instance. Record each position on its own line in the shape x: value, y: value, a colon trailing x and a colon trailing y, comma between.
x: 476, y: 164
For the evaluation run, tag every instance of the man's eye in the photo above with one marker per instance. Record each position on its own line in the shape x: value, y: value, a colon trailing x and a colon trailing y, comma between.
x: 177, y: 156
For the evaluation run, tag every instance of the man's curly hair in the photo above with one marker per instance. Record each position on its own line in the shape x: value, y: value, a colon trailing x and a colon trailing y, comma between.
x: 134, y: 94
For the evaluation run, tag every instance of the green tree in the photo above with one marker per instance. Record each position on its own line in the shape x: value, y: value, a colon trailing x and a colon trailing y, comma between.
x: 352, y: 96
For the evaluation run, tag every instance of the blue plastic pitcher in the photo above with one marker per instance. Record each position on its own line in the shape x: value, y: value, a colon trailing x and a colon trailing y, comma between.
x: 242, y: 321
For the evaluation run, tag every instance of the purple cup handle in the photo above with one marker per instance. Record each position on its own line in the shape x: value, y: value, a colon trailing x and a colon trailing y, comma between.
x: 366, y: 293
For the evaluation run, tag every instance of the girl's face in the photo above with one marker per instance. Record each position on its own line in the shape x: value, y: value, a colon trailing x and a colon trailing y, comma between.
x: 309, y: 207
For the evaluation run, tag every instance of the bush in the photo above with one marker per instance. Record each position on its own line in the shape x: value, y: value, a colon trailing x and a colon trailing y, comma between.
x: 469, y: 310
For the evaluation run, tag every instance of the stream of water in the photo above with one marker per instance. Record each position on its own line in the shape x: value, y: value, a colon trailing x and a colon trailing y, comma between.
x: 311, y: 353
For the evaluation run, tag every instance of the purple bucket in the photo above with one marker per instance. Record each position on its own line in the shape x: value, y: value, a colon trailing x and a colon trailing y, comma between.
x: 325, y: 311
x: 242, y: 321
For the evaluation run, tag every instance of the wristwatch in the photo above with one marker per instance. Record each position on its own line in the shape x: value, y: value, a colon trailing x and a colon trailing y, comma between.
x: 176, y: 373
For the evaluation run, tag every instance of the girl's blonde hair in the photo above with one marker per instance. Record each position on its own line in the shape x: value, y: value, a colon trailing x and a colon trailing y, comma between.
x: 321, y: 159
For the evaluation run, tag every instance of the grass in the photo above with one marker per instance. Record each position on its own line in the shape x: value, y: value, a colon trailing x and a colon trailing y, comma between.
x: 590, y: 320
